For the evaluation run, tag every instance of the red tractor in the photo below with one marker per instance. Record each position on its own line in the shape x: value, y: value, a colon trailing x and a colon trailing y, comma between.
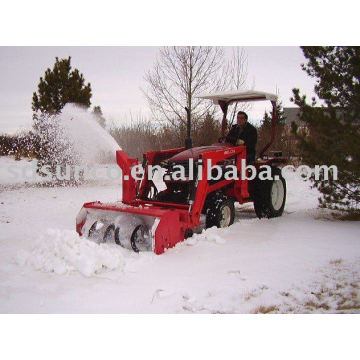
x: 151, y: 220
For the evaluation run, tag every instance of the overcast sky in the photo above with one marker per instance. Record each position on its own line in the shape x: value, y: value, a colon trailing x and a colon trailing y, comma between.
x: 116, y: 76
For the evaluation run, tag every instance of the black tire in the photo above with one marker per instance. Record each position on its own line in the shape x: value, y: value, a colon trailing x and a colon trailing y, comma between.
x: 269, y: 195
x: 221, y: 213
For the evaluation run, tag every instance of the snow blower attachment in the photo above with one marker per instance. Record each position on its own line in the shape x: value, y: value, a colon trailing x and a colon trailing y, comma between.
x: 148, y: 219
x: 139, y: 222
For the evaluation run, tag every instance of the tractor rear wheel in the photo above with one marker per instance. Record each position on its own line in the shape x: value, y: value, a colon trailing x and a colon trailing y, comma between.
x: 221, y: 214
x: 270, y: 195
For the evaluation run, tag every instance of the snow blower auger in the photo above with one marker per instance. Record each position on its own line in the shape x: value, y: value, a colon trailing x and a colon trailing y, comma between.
x: 148, y: 219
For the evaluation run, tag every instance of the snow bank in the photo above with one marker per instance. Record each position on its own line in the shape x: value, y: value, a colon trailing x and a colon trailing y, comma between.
x: 62, y: 251
x: 18, y: 171
x: 213, y: 234
x: 24, y: 172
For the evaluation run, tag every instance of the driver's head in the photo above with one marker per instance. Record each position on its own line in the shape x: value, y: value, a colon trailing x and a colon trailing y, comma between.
x: 241, y: 118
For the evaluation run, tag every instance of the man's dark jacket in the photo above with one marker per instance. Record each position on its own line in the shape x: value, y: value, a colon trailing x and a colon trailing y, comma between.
x: 248, y: 133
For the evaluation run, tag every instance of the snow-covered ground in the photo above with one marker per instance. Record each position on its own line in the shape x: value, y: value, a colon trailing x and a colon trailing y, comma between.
x: 301, y: 262
x: 21, y: 172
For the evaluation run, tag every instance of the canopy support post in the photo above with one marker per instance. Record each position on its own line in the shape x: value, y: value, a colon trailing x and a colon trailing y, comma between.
x: 224, y: 107
x: 274, y: 120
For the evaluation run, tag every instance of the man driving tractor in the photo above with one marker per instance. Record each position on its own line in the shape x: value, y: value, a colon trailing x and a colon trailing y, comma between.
x: 243, y: 133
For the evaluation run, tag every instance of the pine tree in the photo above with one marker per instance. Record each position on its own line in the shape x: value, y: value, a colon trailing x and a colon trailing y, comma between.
x: 59, y: 86
x: 206, y: 130
x: 333, y: 129
x: 264, y: 132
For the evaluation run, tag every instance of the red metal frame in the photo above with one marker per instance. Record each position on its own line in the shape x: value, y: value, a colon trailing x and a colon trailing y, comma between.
x: 203, y: 186
x: 128, y: 182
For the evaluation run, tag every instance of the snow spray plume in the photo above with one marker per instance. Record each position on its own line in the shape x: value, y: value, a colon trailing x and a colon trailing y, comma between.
x: 72, y: 137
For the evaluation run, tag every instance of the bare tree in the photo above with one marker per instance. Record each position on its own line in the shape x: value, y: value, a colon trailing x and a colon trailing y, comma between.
x: 235, y: 76
x: 182, y: 73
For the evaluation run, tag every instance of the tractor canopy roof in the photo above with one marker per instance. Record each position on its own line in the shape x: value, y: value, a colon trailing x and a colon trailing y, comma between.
x: 236, y: 95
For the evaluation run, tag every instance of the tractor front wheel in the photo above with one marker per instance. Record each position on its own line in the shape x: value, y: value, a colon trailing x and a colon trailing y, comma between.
x: 221, y: 214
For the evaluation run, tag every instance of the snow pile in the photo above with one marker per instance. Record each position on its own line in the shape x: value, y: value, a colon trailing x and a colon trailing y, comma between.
x: 213, y: 234
x: 75, y: 137
x: 62, y: 251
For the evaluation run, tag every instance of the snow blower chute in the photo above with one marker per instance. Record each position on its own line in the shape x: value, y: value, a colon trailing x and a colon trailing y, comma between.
x: 148, y: 219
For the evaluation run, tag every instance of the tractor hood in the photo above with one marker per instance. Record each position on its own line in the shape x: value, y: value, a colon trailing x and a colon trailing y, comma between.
x: 195, y: 152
